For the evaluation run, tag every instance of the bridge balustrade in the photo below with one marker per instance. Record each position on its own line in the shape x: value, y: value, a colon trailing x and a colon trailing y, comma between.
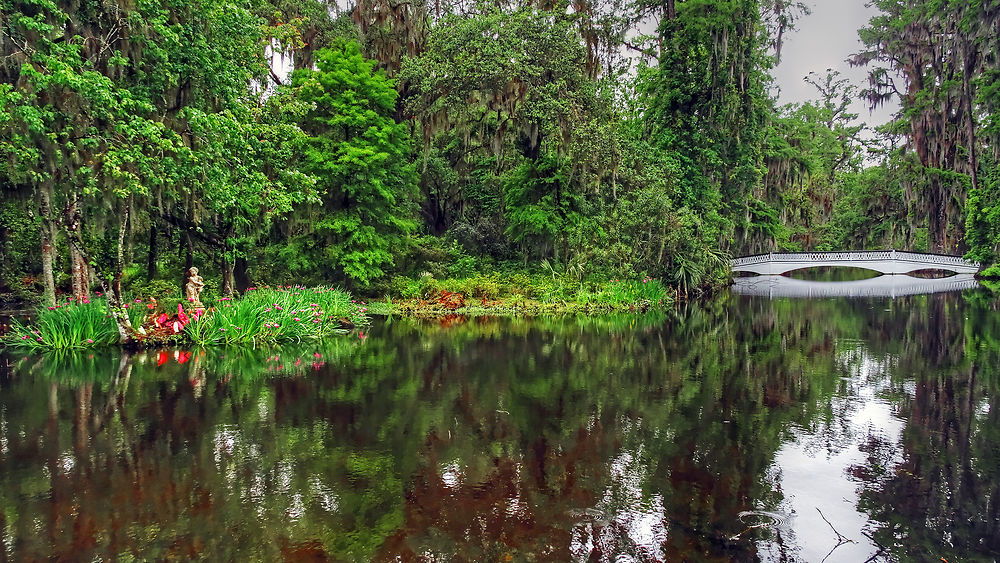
x: 868, y: 257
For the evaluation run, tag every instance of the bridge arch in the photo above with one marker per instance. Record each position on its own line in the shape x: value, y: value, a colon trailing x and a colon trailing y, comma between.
x: 882, y: 261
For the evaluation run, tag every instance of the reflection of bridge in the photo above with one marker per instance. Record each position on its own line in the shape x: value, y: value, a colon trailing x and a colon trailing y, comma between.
x: 881, y: 286
x: 884, y: 261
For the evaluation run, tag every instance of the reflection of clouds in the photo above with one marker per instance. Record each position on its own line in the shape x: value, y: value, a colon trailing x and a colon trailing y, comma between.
x: 4, y: 447
x: 269, y: 487
x: 865, y: 380
x: 622, y: 524
x: 451, y: 475
x: 983, y: 409
x: 324, y: 495
x: 224, y: 443
x: 262, y: 408
x: 67, y: 461
x: 811, y: 468
x: 296, y: 508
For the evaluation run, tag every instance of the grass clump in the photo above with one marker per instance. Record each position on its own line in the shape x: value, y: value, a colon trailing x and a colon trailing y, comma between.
x: 261, y: 316
x: 71, y: 326
x: 619, y: 294
x: 275, y: 315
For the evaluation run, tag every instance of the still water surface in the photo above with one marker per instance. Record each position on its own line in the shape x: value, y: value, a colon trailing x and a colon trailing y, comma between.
x: 745, y: 429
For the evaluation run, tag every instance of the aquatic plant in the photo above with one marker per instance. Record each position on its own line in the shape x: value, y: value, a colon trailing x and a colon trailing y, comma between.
x: 70, y: 325
x: 261, y: 316
x: 273, y: 315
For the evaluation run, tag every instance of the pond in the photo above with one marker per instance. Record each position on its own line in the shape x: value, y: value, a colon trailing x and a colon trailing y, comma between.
x: 745, y: 429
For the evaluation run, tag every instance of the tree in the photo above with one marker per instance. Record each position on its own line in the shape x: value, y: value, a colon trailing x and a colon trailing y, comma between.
x: 938, y: 49
x: 708, y: 106
x: 359, y: 156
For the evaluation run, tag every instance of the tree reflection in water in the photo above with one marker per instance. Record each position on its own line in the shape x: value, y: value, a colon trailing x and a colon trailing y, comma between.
x: 667, y: 437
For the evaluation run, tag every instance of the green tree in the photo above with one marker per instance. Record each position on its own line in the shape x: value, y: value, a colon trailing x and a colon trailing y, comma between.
x: 360, y: 157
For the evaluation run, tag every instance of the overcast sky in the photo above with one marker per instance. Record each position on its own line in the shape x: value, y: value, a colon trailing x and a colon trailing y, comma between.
x: 822, y: 40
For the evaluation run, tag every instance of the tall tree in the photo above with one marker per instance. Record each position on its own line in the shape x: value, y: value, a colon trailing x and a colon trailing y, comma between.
x: 938, y: 50
x: 360, y: 157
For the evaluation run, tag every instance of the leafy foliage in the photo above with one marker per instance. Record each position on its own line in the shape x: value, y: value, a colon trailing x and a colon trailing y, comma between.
x: 358, y: 155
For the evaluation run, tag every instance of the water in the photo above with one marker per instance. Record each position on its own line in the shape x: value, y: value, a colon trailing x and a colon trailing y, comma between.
x: 745, y: 429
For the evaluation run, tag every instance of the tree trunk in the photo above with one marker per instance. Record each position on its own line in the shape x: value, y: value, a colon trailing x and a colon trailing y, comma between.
x: 48, y: 245
x: 116, y: 303
x: 241, y: 274
x: 112, y: 284
x: 152, y: 256
x: 79, y: 270
x: 81, y: 276
x: 228, y: 282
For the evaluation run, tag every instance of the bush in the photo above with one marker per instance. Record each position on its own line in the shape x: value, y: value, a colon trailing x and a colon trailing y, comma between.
x: 991, y: 273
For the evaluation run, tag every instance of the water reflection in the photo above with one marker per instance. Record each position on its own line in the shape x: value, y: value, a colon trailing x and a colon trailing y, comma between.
x: 880, y: 286
x: 744, y: 430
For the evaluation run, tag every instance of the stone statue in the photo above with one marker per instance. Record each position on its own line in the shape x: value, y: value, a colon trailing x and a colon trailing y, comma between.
x: 193, y: 288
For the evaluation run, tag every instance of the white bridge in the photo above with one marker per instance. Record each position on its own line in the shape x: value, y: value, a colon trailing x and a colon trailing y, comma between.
x: 881, y: 286
x: 884, y: 261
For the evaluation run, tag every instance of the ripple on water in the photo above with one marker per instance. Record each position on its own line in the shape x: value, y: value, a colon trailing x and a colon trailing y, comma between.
x: 763, y: 519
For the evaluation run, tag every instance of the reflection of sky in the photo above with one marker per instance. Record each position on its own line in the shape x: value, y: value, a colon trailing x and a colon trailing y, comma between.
x: 817, y: 479
x: 622, y: 512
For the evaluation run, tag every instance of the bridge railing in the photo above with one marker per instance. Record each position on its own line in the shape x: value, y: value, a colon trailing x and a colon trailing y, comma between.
x: 854, y: 256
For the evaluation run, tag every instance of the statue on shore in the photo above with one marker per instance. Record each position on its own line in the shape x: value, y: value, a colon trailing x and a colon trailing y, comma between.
x: 193, y: 289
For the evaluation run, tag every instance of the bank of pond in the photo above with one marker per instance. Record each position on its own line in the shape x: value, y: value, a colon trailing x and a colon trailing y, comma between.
x: 292, y: 314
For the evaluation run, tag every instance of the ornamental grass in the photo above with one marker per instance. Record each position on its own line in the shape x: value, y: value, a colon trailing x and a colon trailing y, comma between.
x: 71, y: 326
x: 276, y: 315
x: 261, y: 316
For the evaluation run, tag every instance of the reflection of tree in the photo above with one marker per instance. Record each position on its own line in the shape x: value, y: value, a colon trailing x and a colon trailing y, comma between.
x: 548, y: 439
x: 943, y: 499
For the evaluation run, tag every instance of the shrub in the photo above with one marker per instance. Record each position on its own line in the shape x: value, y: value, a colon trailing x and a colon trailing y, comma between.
x: 991, y: 273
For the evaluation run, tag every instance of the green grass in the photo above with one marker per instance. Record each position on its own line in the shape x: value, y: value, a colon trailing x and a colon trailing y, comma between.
x: 261, y: 316
x: 70, y: 326
x: 539, y: 292
x: 619, y: 294
x: 271, y: 316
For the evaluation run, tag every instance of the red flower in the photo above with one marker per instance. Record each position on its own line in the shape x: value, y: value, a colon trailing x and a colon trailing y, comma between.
x: 183, y: 318
x: 162, y: 359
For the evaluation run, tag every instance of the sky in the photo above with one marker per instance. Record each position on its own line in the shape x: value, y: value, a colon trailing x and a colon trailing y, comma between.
x: 825, y: 39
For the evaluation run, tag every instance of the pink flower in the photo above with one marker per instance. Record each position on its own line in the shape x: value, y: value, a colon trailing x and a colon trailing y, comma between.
x: 25, y: 337
x: 90, y: 341
x: 297, y: 319
x: 318, y: 355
